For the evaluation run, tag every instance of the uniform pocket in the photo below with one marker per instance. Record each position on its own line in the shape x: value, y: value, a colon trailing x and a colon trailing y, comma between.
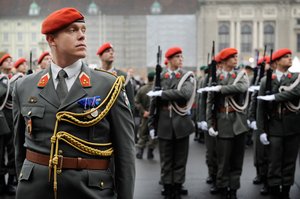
x: 100, y: 179
x: 33, y: 111
x: 26, y: 172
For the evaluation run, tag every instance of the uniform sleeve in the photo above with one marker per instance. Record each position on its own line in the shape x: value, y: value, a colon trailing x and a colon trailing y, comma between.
x: 138, y: 101
x: 240, y: 87
x: 209, y: 113
x: 19, y: 130
x: 124, y: 151
x: 288, y: 95
x: 184, y: 93
x: 130, y: 94
x: 252, y: 107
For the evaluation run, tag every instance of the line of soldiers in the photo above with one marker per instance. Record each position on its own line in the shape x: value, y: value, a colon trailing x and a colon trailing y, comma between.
x: 229, y: 107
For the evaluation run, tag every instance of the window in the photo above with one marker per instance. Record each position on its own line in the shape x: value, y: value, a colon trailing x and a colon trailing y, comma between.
x: 19, y: 37
x: 269, y: 35
x: 34, y: 9
x: 223, y: 35
x: 33, y: 37
x: 246, y: 38
x: 5, y: 37
x: 20, y: 52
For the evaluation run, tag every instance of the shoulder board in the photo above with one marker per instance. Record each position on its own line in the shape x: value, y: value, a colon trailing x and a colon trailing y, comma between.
x: 97, y: 69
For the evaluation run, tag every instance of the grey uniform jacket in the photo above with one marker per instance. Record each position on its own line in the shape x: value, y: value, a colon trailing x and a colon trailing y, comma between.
x: 233, y: 123
x: 116, y: 127
x: 169, y: 121
x: 281, y: 121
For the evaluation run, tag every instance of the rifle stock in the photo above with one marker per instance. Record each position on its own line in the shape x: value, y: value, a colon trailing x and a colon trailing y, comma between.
x: 268, y: 91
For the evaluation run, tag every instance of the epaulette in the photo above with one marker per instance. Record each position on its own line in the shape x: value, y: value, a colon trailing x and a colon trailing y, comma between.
x: 98, y: 69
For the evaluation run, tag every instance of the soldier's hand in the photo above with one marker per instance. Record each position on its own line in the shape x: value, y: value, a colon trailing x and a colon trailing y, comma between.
x: 253, y: 88
x: 212, y: 132
x: 200, y: 90
x: 263, y: 139
x: 213, y: 88
x: 253, y: 125
x: 199, y: 125
x: 154, y: 93
x: 204, y: 125
x: 152, y: 134
x: 267, y: 97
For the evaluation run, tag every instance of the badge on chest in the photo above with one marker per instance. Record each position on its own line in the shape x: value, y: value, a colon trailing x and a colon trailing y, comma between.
x: 89, y: 104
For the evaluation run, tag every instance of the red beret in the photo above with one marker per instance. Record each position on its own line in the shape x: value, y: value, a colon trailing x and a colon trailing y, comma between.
x: 44, y: 54
x: 19, y: 62
x: 217, y: 58
x: 266, y: 59
x: 227, y: 52
x: 104, y: 47
x: 280, y: 53
x: 4, y: 57
x: 60, y: 19
x: 173, y: 51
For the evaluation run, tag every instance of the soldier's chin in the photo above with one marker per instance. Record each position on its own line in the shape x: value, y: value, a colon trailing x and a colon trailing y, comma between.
x: 81, y: 55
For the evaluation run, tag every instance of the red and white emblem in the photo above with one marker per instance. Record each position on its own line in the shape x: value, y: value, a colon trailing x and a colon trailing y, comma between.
x: 85, y: 80
x: 44, y: 80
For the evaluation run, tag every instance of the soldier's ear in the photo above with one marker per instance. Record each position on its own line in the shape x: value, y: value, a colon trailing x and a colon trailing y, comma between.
x: 50, y: 39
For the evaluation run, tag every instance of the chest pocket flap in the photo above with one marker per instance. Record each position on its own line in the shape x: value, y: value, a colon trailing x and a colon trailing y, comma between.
x: 33, y: 111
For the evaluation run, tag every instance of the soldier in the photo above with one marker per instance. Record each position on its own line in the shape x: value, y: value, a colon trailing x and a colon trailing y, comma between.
x: 44, y: 60
x: 260, y: 151
x: 70, y: 121
x: 279, y: 128
x: 7, y: 133
x: 21, y: 66
x: 174, y: 123
x: 210, y: 141
x: 228, y: 122
x: 106, y: 54
x: 142, y: 102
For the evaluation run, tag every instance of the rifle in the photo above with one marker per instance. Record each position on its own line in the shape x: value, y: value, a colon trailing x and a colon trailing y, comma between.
x: 30, y: 64
x: 255, y: 70
x: 154, y: 110
x: 262, y: 67
x: 213, y: 75
x: 268, y: 91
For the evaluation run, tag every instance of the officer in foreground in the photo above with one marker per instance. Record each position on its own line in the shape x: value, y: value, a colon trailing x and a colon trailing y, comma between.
x: 70, y: 121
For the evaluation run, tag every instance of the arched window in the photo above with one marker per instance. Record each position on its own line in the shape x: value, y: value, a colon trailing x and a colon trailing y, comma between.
x: 269, y: 36
x: 246, y: 38
x: 93, y: 9
x: 34, y: 9
x: 223, y: 35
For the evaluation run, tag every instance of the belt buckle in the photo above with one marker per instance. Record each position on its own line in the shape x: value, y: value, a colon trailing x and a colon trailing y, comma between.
x: 60, y: 162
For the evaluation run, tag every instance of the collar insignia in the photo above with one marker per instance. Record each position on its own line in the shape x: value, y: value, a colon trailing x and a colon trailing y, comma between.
x: 84, y: 80
x: 44, y: 80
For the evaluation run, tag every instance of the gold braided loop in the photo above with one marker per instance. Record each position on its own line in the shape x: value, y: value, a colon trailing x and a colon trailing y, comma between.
x: 110, y: 99
x: 77, y: 143
x: 82, y: 145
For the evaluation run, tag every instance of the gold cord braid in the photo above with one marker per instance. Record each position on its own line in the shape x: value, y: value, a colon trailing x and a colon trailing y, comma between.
x: 77, y: 143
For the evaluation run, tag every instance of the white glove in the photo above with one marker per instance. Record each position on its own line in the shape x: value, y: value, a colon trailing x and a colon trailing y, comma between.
x: 248, y: 122
x: 253, y: 88
x: 253, y: 125
x: 267, y: 97
x: 213, y: 88
x: 200, y: 90
x: 199, y: 125
x: 212, y: 132
x: 152, y: 134
x: 204, y: 125
x: 154, y: 93
x: 263, y: 139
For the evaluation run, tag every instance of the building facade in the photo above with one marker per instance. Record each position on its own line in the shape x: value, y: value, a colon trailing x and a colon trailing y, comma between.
x: 248, y: 25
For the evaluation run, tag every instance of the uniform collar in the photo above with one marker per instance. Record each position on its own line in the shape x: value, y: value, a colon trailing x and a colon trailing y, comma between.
x: 71, y: 70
